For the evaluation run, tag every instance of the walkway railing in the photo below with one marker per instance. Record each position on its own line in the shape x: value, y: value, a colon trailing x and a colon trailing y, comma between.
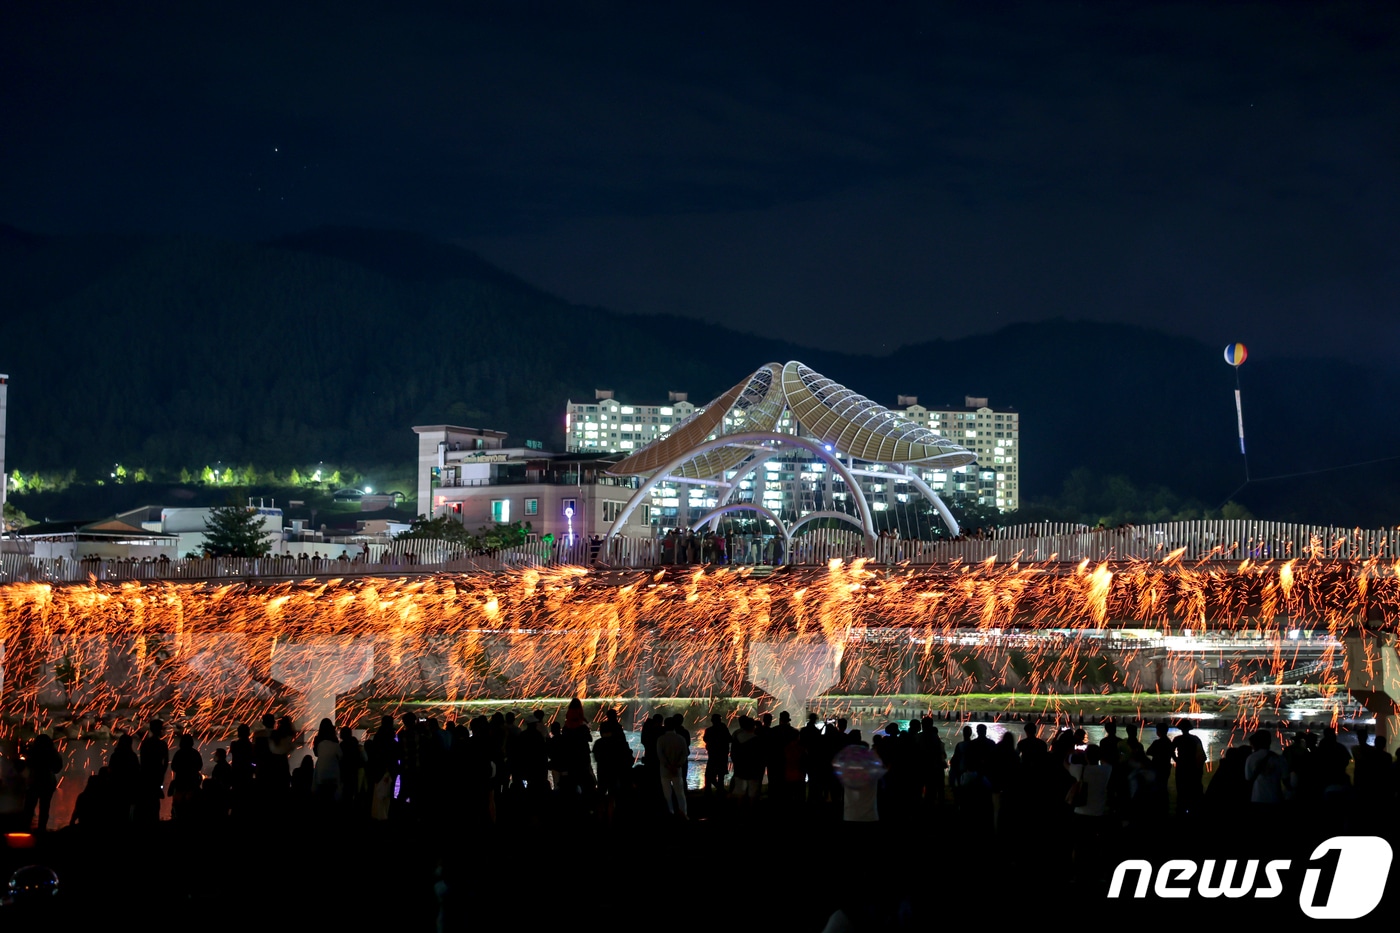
x: 1189, y: 542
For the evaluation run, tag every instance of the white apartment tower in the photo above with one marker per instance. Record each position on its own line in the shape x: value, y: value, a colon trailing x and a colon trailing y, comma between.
x: 994, y: 435
x: 608, y: 425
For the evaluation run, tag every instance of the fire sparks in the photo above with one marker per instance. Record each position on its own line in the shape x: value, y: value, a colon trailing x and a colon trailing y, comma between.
x: 204, y: 655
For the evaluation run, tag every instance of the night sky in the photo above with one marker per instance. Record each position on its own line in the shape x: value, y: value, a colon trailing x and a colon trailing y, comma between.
x: 924, y: 169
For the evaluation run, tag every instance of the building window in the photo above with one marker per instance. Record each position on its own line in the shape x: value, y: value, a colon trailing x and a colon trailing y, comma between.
x: 532, y: 506
x: 567, y: 506
x: 611, y: 510
x: 500, y: 511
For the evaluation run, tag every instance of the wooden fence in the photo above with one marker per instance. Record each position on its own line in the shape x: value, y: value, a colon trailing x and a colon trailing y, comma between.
x: 1190, y: 542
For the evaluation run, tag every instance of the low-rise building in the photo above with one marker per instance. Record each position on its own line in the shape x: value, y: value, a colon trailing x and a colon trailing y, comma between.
x: 472, y: 476
x: 112, y: 538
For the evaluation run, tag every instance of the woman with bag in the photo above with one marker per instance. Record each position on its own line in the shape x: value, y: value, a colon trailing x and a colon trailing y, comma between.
x: 1088, y: 797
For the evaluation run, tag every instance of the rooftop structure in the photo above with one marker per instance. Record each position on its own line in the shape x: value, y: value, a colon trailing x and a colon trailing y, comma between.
x: 778, y: 410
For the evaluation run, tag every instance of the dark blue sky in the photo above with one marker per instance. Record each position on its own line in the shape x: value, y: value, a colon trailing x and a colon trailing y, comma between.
x: 922, y: 169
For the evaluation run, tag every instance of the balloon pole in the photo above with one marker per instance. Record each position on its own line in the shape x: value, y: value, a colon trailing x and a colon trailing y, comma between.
x: 1239, y: 418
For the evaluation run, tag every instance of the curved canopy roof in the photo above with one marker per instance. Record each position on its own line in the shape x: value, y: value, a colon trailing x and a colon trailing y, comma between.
x: 860, y: 428
x: 753, y: 405
x: 851, y: 423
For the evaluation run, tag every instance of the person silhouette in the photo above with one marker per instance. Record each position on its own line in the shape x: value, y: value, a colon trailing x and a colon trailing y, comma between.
x: 187, y: 767
x: 155, y: 760
x: 1190, y: 757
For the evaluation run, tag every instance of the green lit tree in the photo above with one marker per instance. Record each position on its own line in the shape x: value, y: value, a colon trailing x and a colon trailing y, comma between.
x: 14, y: 518
x: 235, y: 531
x: 504, y: 536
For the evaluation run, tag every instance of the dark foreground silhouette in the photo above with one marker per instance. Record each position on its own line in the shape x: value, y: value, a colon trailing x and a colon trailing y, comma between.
x: 529, y: 824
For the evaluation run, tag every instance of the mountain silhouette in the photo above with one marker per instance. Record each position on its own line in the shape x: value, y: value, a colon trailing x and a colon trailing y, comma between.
x: 171, y: 352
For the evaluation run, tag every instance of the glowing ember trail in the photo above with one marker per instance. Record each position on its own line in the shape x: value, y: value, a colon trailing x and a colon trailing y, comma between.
x: 207, y: 656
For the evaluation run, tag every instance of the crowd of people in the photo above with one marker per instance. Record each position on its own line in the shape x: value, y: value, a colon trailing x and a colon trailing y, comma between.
x: 504, y: 769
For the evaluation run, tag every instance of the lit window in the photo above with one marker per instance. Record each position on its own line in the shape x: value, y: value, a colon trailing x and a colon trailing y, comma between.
x: 500, y: 511
x: 627, y: 409
x: 666, y: 411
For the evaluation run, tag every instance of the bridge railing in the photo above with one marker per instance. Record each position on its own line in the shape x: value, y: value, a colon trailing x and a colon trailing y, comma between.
x: 1190, y: 542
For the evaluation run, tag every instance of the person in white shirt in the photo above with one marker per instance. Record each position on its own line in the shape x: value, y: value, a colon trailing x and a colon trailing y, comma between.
x: 672, y: 751
x: 1093, y: 775
x: 1090, y: 802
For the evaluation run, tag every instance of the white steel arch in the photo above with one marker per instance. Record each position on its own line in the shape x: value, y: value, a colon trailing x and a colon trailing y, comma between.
x: 749, y: 507
x: 750, y: 437
x: 931, y: 496
x: 813, y: 516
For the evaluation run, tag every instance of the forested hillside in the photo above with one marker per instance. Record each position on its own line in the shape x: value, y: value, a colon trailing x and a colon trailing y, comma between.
x: 169, y: 353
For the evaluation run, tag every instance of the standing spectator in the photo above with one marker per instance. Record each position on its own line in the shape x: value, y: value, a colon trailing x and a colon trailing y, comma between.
x: 155, y: 761
x: 326, y: 748
x: 717, y: 740
x: 1090, y: 802
x: 187, y: 768
x: 671, y: 752
x: 578, y: 749
x: 126, y: 778
x: 218, y: 789
x: 352, y: 768
x: 1266, y: 772
x: 1190, y: 757
x: 747, y: 753
x: 42, y: 766
x: 933, y: 762
x: 243, y: 754
x: 614, y: 759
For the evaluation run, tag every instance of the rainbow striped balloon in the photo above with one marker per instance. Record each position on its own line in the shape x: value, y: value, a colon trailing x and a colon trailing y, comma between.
x: 1235, y: 354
